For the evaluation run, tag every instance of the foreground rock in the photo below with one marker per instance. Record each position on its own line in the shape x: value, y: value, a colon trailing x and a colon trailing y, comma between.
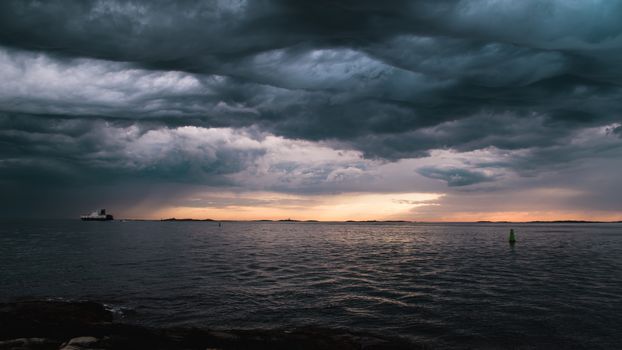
x: 85, y: 325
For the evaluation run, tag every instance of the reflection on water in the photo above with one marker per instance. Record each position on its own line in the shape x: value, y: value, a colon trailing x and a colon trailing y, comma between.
x: 446, y: 285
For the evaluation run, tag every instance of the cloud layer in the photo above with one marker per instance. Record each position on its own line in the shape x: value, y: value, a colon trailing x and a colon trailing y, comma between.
x: 309, y: 97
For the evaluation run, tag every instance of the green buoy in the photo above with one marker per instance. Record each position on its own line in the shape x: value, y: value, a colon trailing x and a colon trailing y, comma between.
x: 512, y: 236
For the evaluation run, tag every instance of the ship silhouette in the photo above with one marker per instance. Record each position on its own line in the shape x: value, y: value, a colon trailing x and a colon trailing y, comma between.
x: 97, y: 216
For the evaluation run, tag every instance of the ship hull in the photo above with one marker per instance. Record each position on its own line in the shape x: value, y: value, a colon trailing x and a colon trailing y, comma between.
x: 102, y: 218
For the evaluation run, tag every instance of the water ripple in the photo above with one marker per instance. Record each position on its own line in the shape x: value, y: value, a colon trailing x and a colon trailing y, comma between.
x: 450, y: 285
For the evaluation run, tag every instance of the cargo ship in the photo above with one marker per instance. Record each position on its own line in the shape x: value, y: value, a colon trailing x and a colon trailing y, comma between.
x: 97, y: 216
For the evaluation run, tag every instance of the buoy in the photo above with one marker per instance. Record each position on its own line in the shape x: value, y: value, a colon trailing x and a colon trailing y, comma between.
x: 512, y: 237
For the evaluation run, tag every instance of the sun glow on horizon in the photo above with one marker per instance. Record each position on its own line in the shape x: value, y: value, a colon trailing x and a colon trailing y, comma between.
x: 276, y: 206
x: 425, y: 207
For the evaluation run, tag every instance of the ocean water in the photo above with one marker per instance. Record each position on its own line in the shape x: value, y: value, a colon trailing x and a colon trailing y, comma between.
x: 442, y: 285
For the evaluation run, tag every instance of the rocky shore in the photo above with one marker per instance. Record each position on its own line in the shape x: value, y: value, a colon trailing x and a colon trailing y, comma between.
x: 42, y: 325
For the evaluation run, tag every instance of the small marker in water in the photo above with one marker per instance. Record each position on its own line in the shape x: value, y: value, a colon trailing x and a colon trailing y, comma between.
x: 512, y: 237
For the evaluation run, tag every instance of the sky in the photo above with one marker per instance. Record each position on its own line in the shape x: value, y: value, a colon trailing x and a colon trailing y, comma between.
x: 434, y: 110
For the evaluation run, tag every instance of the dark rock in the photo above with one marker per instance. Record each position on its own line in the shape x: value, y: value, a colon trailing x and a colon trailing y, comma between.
x: 84, y: 325
x: 50, y: 319
x: 80, y: 343
x: 28, y: 343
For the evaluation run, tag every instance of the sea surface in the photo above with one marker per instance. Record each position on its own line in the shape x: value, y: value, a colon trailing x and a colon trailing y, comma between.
x: 441, y: 285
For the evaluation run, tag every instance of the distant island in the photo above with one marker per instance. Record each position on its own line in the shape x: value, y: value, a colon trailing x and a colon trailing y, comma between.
x: 175, y: 219
x: 281, y: 220
x: 387, y: 221
x: 549, y: 222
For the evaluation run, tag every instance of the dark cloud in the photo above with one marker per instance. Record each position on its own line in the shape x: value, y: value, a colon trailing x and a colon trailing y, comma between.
x: 584, y: 191
x: 79, y: 151
x: 454, y: 176
x: 341, y: 70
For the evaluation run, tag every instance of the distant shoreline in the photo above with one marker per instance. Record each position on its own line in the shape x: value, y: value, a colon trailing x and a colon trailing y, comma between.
x: 386, y: 221
x: 335, y: 221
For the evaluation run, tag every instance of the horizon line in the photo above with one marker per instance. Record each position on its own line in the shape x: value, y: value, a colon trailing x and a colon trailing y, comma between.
x: 173, y: 219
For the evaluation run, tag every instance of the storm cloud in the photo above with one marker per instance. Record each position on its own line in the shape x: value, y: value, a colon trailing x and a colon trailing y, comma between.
x: 307, y: 97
